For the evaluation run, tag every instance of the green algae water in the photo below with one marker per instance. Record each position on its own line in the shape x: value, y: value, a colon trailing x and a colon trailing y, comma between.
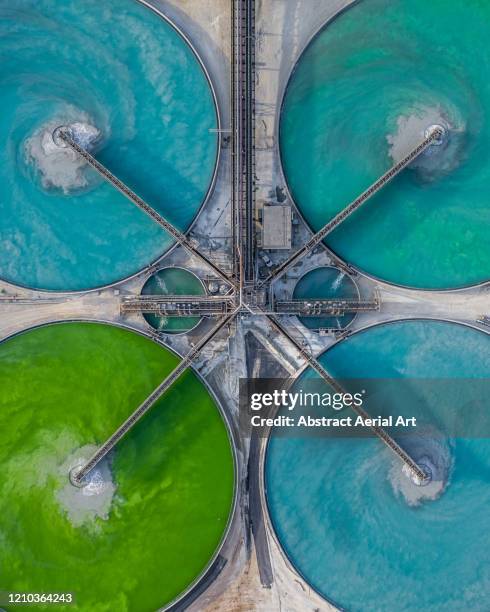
x: 172, y: 281
x: 69, y: 385
x: 352, y: 522
x: 138, y: 98
x: 326, y: 283
x: 361, y: 96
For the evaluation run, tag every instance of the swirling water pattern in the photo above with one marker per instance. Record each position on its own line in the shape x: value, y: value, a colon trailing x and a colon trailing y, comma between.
x: 68, y: 386
x: 347, y: 516
x: 361, y: 95
x: 116, y: 66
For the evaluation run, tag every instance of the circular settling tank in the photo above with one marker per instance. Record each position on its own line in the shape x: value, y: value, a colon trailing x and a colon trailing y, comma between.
x: 173, y: 281
x: 150, y: 519
x: 326, y: 283
x: 135, y: 94
x: 348, y: 516
x: 369, y: 99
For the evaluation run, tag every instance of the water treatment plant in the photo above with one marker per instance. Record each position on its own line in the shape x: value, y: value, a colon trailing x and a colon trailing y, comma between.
x: 201, y: 198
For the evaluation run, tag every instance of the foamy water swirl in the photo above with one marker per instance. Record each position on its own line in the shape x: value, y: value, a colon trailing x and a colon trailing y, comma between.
x: 433, y: 454
x: 58, y: 167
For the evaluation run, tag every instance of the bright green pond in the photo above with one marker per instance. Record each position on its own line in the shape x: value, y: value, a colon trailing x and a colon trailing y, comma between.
x: 360, y: 98
x: 69, y: 385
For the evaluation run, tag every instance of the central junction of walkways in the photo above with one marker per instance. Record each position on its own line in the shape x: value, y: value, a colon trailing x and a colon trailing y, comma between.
x: 243, y: 294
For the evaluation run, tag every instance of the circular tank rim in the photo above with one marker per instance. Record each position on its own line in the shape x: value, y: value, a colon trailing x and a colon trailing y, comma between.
x: 224, y: 417
x: 205, y: 292
x: 265, y: 448
x: 351, y: 278
x: 210, y: 189
x: 277, y: 134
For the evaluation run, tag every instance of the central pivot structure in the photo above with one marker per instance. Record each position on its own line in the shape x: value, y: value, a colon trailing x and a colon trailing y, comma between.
x: 416, y: 479
x: 74, y: 477
x: 58, y: 136
x: 439, y: 132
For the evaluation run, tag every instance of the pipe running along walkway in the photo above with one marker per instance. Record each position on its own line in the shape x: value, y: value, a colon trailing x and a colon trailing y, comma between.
x: 79, y: 474
x: 209, y: 306
x: 321, y: 307
x: 178, y: 305
x: 435, y: 134
x: 243, y: 116
x: 378, y: 431
x: 65, y: 136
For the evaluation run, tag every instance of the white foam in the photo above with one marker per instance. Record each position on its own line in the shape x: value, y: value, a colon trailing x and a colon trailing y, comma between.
x: 436, y: 161
x: 94, y: 499
x: 162, y: 322
x: 431, y: 451
x: 61, y: 168
x: 162, y: 285
x: 337, y: 281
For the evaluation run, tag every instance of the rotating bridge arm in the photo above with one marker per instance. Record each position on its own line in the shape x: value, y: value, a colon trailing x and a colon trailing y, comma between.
x: 379, y: 432
x: 65, y: 136
x: 80, y: 473
x: 386, y: 178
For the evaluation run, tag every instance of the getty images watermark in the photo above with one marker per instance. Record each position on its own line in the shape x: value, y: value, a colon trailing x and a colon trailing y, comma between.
x: 456, y: 408
x: 292, y: 406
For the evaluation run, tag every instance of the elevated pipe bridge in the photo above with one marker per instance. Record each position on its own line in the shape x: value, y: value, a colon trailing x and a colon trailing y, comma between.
x: 243, y: 131
x: 319, y: 308
x: 251, y: 298
x: 378, y: 431
x: 65, y: 135
x: 435, y: 134
x: 79, y: 474
x: 178, y: 305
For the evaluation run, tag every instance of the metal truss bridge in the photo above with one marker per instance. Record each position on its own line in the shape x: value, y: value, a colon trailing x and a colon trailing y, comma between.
x: 248, y: 293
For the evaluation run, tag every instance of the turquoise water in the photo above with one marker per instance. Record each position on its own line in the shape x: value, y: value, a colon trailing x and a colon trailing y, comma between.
x: 118, y: 67
x: 346, y: 514
x: 173, y: 281
x: 362, y: 94
x: 325, y: 283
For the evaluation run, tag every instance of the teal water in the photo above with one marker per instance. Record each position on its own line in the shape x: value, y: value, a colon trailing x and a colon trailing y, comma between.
x: 346, y: 514
x: 361, y: 95
x: 325, y: 283
x: 173, y: 281
x: 118, y: 67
